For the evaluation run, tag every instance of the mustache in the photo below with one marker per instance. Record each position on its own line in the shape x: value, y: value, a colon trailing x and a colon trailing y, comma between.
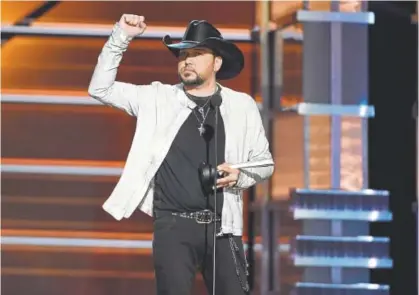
x: 188, y: 69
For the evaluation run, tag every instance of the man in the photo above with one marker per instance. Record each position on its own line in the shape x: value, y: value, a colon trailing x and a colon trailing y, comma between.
x: 177, y: 129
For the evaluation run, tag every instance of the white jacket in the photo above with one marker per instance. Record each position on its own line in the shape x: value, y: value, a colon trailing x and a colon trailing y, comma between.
x: 161, y: 110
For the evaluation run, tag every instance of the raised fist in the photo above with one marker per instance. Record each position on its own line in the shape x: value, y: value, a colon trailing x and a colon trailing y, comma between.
x: 133, y: 25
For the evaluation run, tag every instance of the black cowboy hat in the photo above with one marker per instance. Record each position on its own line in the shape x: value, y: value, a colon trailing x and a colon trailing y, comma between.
x: 203, y: 34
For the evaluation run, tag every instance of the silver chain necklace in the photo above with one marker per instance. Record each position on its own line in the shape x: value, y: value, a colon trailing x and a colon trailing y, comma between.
x: 201, y: 109
x: 201, y: 127
x: 204, y: 114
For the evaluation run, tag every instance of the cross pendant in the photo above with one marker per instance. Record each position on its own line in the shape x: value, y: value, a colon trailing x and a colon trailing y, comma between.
x: 201, y: 130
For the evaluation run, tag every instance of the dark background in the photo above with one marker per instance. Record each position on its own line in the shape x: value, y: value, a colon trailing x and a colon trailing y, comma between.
x: 393, y: 83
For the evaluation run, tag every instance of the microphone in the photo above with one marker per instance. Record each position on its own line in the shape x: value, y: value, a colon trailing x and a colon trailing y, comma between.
x: 216, y: 100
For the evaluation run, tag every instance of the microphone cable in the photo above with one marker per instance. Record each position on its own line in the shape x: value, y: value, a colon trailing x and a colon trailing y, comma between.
x: 215, y: 199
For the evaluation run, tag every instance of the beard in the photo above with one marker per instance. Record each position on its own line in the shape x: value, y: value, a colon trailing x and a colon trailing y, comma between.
x: 197, y: 81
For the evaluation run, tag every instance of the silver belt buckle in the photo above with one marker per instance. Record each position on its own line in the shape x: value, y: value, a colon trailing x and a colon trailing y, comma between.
x: 204, y: 217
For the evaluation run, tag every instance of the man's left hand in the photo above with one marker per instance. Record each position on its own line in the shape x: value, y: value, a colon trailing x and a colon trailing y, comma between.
x: 231, y: 175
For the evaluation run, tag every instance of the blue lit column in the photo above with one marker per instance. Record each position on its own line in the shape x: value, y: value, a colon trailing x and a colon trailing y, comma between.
x: 335, y: 205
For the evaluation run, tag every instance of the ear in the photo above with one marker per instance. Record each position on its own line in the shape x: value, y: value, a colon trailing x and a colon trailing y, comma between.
x: 218, y: 61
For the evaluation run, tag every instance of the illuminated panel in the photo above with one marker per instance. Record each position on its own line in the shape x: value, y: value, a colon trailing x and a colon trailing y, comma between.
x: 292, y: 76
x: 288, y: 152
x: 13, y: 11
x: 67, y: 63
x: 157, y: 13
x: 352, y: 157
x: 69, y: 203
x: 319, y: 152
x: 351, y: 153
x: 67, y: 271
x: 65, y: 132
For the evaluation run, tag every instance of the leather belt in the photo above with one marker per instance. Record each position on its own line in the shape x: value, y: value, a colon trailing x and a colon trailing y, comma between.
x: 202, y: 217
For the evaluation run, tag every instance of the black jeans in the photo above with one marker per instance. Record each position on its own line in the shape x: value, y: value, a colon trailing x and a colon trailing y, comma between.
x: 181, y: 247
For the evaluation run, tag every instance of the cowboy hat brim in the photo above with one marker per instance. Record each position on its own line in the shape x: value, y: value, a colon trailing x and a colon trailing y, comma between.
x: 233, y: 59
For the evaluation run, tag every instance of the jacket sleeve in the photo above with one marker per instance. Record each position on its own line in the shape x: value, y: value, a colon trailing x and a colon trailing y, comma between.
x: 103, y: 87
x: 259, y: 150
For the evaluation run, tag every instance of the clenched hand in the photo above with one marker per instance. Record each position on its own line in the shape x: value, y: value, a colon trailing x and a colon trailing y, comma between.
x: 133, y: 25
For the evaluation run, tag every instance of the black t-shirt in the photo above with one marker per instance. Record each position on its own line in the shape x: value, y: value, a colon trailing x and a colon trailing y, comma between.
x: 177, y: 184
